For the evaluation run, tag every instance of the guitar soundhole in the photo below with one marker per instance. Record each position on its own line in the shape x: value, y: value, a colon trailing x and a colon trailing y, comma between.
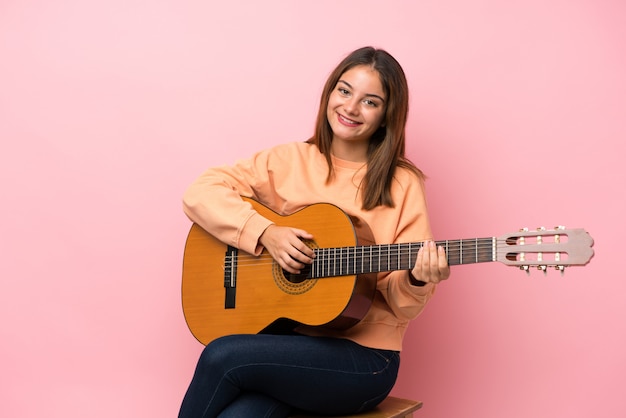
x: 298, y: 278
x: 295, y: 284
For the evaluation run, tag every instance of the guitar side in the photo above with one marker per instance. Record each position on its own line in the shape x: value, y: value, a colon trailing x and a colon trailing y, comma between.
x: 263, y: 295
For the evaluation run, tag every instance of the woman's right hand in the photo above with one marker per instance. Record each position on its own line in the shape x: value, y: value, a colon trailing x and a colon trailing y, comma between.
x: 286, y: 247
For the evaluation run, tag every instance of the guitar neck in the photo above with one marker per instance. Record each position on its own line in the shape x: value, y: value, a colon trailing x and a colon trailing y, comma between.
x: 344, y: 261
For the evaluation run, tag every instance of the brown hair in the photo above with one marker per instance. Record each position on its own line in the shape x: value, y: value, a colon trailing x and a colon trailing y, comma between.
x: 387, y: 145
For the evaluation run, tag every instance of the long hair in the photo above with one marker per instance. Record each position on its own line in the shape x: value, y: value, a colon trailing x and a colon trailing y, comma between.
x: 387, y: 145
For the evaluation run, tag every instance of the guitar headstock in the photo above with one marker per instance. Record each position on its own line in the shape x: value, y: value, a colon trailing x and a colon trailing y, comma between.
x: 542, y: 248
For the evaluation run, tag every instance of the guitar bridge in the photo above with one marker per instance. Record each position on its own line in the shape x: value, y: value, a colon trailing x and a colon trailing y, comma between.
x: 230, y: 277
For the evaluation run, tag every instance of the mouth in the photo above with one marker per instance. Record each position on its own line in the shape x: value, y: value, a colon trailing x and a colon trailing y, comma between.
x: 347, y: 122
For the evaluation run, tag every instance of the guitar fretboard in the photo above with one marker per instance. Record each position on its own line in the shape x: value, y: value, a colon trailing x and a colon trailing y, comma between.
x: 345, y: 261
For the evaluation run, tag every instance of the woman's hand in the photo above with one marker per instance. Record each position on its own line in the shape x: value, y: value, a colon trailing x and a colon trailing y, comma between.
x: 431, y: 265
x: 286, y: 247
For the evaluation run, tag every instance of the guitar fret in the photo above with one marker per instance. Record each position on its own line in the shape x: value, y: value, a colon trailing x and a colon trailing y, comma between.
x: 327, y: 262
x: 476, y: 249
x: 339, y: 262
x: 372, y: 265
x: 318, y: 263
x: 382, y: 264
x: 398, y: 263
x: 354, y: 261
x: 362, y: 259
x: 375, y: 258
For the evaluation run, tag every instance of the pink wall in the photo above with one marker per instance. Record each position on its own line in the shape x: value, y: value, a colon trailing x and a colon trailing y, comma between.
x: 108, y: 109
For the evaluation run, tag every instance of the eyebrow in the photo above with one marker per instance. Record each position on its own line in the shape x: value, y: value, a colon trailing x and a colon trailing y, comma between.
x: 367, y: 94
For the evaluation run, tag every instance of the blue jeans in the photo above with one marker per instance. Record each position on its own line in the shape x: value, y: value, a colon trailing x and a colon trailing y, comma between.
x: 267, y: 375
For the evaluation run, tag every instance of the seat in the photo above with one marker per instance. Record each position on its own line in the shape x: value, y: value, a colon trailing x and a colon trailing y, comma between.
x: 391, y: 407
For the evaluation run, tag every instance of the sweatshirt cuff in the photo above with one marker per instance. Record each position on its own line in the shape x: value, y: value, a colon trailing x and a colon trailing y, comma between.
x: 251, y: 231
x: 420, y: 288
x: 414, y: 281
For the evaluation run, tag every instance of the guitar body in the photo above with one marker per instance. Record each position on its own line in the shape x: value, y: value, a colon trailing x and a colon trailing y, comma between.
x: 263, y: 293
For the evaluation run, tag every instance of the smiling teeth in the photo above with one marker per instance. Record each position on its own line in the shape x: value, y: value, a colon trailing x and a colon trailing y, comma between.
x: 348, y: 120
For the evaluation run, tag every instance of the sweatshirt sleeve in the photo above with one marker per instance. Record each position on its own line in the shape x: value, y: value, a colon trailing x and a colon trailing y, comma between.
x: 404, y: 299
x: 214, y: 202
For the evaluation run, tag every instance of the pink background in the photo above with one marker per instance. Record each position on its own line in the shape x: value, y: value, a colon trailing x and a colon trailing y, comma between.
x: 108, y: 109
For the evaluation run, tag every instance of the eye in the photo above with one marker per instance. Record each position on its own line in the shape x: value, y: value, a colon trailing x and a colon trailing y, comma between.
x: 343, y: 91
x: 370, y: 102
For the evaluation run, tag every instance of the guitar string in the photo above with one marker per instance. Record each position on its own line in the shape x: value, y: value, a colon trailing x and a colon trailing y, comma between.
x: 403, y: 250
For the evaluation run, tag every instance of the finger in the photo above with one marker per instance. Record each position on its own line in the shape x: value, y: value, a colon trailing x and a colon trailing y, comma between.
x: 433, y: 253
x: 297, y: 259
x: 444, y: 268
x: 422, y: 264
x: 427, y: 257
x: 439, y: 265
x: 302, y: 252
x: 302, y: 233
x: 432, y: 270
x: 443, y: 260
x: 417, y: 269
x: 289, y: 264
x: 299, y: 244
x: 294, y: 256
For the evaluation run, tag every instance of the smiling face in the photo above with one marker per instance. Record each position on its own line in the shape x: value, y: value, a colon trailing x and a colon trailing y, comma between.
x: 356, y: 109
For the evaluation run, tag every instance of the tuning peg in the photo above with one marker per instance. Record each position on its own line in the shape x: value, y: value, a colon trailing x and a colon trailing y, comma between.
x: 561, y: 269
x: 559, y: 227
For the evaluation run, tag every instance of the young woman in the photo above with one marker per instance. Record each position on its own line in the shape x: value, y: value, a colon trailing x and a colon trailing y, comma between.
x: 355, y: 160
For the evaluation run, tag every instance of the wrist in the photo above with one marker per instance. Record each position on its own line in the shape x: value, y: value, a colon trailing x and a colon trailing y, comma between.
x: 414, y: 281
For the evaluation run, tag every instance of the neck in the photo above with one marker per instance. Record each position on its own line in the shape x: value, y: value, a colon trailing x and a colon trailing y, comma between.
x: 340, y: 261
x: 353, y: 151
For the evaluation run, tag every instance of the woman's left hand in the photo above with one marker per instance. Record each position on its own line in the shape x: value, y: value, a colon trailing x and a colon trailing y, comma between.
x: 431, y: 265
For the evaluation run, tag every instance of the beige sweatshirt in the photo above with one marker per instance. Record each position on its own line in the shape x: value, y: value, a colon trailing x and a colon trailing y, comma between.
x: 289, y: 177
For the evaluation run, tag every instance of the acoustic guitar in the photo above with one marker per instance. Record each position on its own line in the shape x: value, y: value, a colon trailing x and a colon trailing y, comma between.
x: 227, y: 291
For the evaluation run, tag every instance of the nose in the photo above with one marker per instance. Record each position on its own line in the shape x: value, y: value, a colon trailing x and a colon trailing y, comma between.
x: 351, y: 106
